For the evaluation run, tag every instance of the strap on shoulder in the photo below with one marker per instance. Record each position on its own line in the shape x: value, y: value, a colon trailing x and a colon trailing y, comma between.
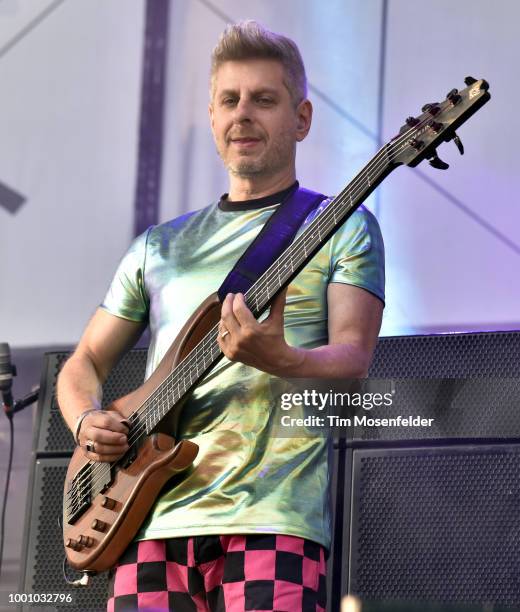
x: 276, y: 235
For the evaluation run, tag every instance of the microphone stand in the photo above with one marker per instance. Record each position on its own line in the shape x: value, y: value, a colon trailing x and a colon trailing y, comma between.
x: 10, y: 408
x: 20, y: 404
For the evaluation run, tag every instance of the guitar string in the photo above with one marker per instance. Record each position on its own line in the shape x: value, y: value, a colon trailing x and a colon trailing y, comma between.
x: 386, y: 153
x: 322, y: 219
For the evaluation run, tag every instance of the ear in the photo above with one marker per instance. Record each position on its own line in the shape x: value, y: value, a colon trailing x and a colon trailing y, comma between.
x: 210, y: 113
x: 303, y: 119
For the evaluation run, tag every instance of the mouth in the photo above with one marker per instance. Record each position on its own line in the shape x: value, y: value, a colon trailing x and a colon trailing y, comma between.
x: 245, y: 141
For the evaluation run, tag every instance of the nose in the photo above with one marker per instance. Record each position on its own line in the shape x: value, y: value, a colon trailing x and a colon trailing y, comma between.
x: 243, y: 111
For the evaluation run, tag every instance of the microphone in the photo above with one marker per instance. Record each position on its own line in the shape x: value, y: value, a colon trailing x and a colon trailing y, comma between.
x: 7, y: 371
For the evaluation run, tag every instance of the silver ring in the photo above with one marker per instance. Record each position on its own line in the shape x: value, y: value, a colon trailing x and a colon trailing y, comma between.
x: 224, y: 333
x: 90, y: 446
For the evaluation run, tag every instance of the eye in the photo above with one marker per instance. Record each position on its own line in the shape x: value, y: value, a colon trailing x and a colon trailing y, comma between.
x: 265, y: 100
x: 228, y: 101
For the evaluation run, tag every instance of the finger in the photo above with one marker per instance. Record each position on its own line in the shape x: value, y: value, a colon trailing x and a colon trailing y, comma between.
x: 104, y: 458
x: 104, y: 436
x: 227, y: 316
x: 222, y: 330
x: 278, y: 307
x: 222, y: 343
x: 105, y: 420
x: 104, y: 450
x: 116, y: 423
x: 242, y: 313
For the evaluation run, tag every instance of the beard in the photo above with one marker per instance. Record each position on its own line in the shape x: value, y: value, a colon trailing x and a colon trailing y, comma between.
x: 279, y: 156
x: 247, y: 168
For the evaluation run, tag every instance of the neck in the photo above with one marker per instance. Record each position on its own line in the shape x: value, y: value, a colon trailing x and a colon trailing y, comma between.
x: 248, y: 188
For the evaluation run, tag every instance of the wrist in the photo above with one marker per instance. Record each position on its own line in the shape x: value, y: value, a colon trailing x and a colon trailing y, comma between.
x: 79, y: 422
x: 291, y: 362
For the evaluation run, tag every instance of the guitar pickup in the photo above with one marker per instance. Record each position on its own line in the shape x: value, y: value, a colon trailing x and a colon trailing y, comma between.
x: 78, y: 498
x: 104, y: 477
x: 129, y: 457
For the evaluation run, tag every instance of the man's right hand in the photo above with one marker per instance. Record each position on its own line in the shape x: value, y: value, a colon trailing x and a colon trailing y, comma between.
x: 79, y: 387
x: 107, y: 432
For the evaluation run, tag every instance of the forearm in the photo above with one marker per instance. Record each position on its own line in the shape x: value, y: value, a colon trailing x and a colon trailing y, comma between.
x: 78, y: 388
x: 353, y: 326
x: 329, y: 361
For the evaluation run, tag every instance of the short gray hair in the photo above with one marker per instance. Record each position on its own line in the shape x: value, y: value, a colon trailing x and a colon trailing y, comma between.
x: 250, y: 40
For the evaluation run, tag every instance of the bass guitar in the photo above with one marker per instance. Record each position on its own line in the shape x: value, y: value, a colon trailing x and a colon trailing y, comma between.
x: 104, y: 504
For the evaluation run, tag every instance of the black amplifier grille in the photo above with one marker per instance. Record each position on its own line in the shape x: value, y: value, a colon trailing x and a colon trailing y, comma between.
x: 437, y: 524
x: 448, y: 355
x: 54, y: 435
x: 45, y: 550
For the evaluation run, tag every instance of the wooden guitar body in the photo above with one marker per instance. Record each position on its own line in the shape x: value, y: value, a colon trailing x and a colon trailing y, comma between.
x: 99, y: 535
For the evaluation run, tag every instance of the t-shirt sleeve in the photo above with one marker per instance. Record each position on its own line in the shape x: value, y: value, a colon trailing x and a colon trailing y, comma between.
x: 358, y: 254
x: 127, y: 296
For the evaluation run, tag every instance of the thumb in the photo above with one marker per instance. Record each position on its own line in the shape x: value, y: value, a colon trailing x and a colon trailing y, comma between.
x: 126, y: 423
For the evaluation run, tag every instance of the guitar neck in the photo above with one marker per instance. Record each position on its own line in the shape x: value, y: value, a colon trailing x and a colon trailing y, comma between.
x: 207, y: 352
x: 316, y: 234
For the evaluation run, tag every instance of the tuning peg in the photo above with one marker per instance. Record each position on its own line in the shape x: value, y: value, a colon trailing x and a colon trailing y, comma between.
x: 459, y: 144
x: 453, y: 96
x: 412, y: 121
x: 469, y: 80
x: 435, y: 126
x: 432, y: 107
x: 437, y: 162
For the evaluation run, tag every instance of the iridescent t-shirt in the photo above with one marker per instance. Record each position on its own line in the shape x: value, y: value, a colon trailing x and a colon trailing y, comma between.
x: 246, y: 478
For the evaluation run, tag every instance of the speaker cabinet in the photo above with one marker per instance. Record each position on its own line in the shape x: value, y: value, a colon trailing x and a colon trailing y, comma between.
x: 44, y: 550
x: 437, y: 517
x: 42, y: 571
x: 437, y: 524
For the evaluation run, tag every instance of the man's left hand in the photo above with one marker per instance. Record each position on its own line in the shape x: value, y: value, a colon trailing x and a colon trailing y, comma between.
x: 261, y: 345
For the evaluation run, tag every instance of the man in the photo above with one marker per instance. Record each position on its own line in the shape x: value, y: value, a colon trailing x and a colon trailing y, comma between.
x: 247, y: 527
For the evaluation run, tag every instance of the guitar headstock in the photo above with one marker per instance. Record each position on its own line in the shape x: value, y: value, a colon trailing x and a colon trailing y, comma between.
x: 420, y: 136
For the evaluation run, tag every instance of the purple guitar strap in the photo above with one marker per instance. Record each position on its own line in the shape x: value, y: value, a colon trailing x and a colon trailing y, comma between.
x: 276, y: 235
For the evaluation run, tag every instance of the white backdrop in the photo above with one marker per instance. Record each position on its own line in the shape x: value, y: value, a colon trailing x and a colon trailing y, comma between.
x: 68, y: 139
x: 68, y: 136
x: 446, y: 269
